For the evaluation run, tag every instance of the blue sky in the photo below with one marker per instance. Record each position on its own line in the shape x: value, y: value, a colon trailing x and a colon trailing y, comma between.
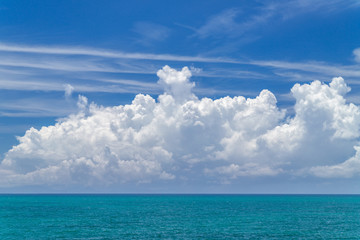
x: 70, y: 62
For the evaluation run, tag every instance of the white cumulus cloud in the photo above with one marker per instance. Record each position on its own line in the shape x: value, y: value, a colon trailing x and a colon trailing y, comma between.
x: 179, y: 136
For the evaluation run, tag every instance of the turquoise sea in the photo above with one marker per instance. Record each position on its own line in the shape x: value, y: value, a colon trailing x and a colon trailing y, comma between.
x: 179, y: 216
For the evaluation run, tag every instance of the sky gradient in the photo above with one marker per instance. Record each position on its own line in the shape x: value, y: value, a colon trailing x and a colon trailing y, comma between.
x: 176, y: 97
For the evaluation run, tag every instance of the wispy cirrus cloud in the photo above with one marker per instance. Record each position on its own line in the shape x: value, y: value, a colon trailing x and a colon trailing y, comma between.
x: 322, y: 68
x: 230, y: 23
x: 108, y: 53
x: 44, y: 68
x: 122, y: 86
x: 306, y: 6
x: 46, y: 59
x: 32, y: 107
x: 222, y: 23
x: 149, y: 32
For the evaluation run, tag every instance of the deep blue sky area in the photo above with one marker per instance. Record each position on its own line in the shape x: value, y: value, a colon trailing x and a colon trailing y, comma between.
x: 52, y: 52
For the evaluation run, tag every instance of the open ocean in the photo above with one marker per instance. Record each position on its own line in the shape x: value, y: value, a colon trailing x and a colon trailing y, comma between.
x: 179, y: 216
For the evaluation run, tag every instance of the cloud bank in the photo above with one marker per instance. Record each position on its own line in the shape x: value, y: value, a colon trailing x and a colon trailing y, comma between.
x: 180, y: 137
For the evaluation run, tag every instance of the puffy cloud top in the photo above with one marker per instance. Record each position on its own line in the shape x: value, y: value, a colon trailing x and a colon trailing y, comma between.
x: 179, y: 136
x: 176, y: 83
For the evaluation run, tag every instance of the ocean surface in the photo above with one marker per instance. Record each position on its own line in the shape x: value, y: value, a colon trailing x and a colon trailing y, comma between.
x: 179, y: 216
